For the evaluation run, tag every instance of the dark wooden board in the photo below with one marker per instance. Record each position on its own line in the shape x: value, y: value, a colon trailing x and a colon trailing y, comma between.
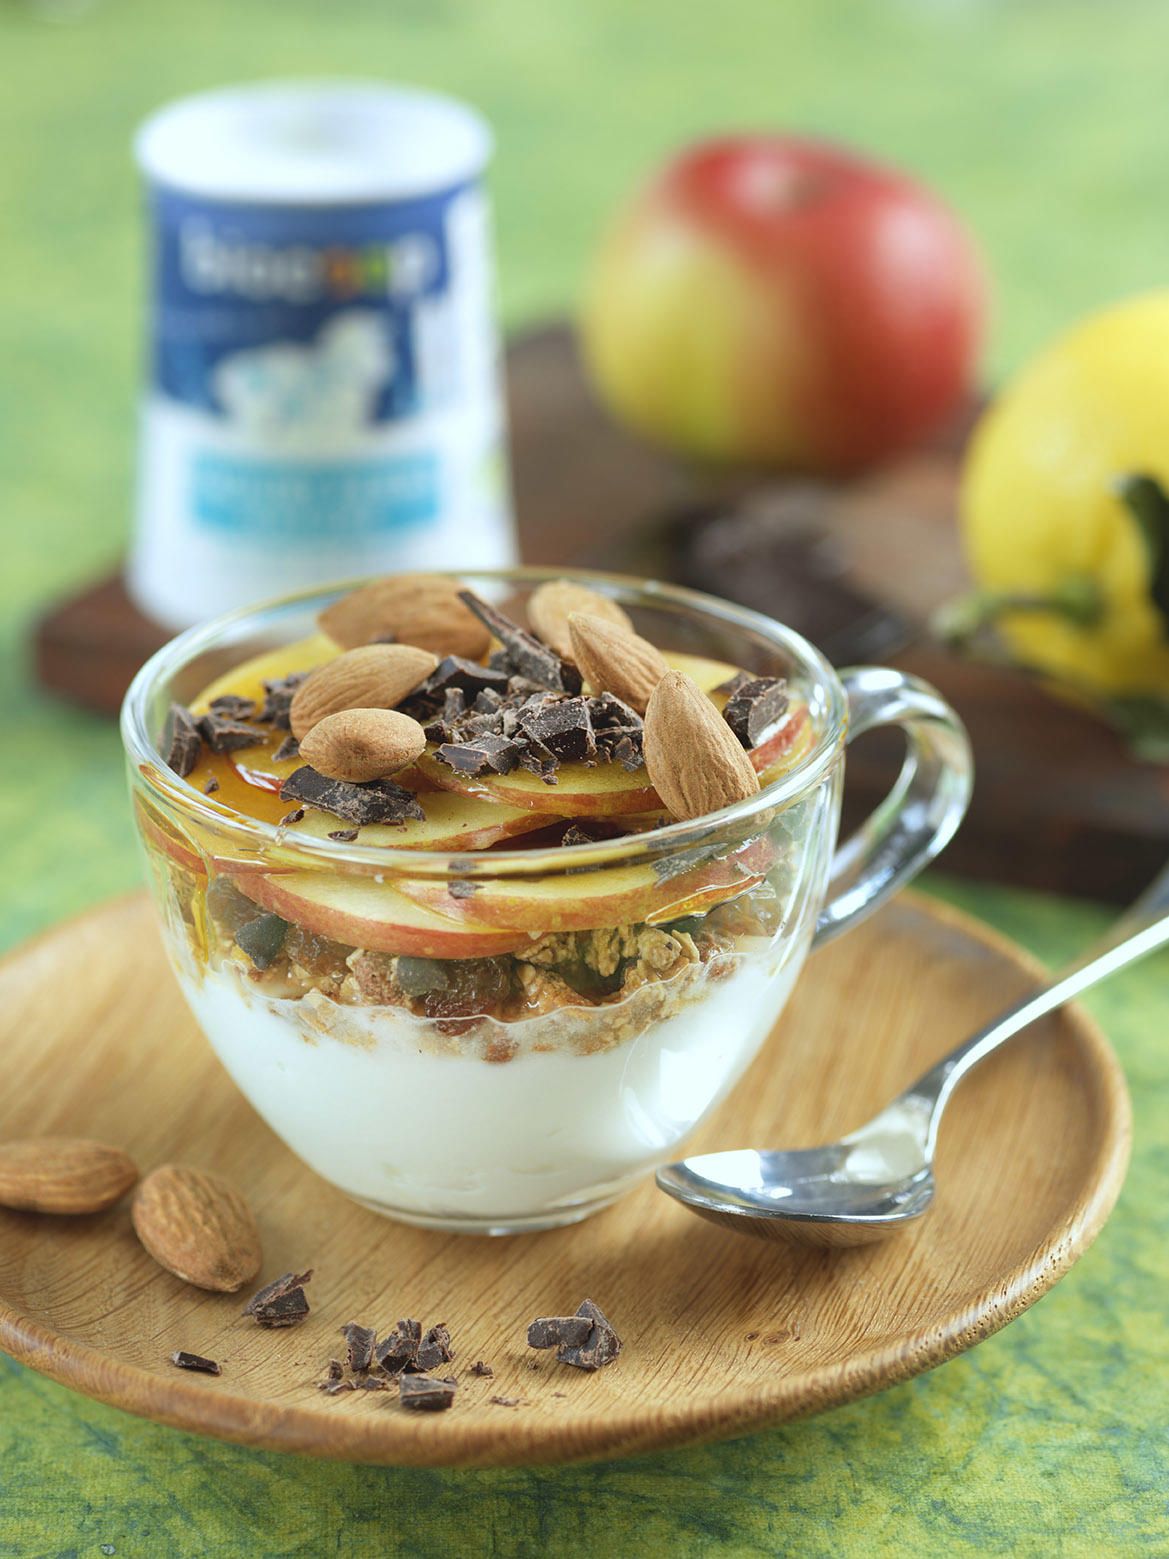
x: 1058, y: 804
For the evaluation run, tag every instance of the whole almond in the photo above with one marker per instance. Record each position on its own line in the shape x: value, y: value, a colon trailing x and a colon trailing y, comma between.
x: 694, y: 759
x: 378, y: 676
x: 615, y: 660
x: 197, y: 1225
x: 420, y: 609
x: 63, y: 1175
x: 553, y: 604
x: 363, y: 744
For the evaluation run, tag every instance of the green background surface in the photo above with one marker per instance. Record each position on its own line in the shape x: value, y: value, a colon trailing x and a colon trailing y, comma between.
x: 1046, y: 124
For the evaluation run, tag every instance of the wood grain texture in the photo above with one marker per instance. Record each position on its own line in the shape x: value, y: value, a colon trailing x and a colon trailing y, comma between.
x: 722, y: 1334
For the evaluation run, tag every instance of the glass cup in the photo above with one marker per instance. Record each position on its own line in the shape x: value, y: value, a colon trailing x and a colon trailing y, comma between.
x: 505, y: 1039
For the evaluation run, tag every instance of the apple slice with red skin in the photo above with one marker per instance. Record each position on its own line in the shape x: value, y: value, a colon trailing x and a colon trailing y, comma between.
x: 359, y: 912
x: 608, y: 896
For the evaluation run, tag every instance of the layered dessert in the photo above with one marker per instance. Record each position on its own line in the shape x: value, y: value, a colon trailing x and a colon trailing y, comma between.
x: 427, y: 902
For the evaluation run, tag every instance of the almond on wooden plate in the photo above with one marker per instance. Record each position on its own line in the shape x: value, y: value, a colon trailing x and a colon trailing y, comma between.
x: 552, y: 604
x: 198, y: 1226
x: 693, y: 757
x: 615, y: 660
x: 420, y: 609
x: 363, y: 744
x: 63, y: 1175
x: 378, y: 676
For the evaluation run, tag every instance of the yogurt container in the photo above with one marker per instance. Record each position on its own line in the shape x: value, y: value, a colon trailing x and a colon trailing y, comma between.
x: 323, y: 392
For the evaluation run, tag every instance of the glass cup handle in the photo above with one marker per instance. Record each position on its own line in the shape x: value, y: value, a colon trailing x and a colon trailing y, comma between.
x: 918, y: 817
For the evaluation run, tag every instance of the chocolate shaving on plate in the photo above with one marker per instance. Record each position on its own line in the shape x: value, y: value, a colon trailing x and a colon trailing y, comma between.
x: 400, y: 1347
x: 373, y: 1383
x: 333, y: 1388
x: 553, y: 1331
x: 425, y: 1394
x: 434, y: 1349
x: 226, y: 735
x: 523, y: 655
x: 481, y: 1369
x: 600, y: 1347
x: 181, y: 740
x: 376, y: 801
x: 195, y: 1361
x: 359, y: 1342
x: 505, y: 1401
x: 755, y: 706
x: 281, y: 1303
x: 335, y: 1370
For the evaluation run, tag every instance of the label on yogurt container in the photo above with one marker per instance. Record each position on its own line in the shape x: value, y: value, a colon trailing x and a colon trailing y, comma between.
x: 323, y: 397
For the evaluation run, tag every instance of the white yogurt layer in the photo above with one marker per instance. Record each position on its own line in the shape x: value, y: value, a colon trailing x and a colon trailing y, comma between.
x: 454, y: 1139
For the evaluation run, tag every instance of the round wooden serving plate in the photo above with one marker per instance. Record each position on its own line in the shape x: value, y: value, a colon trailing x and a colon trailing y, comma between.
x: 722, y: 1334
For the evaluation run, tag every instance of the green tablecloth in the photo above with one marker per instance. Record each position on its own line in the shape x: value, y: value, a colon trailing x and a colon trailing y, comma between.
x: 1047, y: 125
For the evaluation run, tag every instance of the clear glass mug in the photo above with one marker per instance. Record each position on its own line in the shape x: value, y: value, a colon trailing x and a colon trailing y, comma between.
x: 516, y: 1054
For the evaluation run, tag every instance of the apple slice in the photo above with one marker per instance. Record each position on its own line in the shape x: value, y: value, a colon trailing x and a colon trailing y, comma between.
x: 609, y: 896
x: 247, y: 679
x: 359, y: 912
x: 606, y: 791
x: 453, y: 822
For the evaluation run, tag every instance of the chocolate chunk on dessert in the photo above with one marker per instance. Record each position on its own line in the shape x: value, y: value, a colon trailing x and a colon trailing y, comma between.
x: 399, y: 1348
x: 483, y: 1370
x: 262, y: 939
x: 375, y: 801
x: 521, y: 654
x: 344, y: 835
x: 554, y: 1331
x: 223, y: 734
x: 291, y: 817
x: 335, y: 1370
x: 211, y: 786
x: 230, y: 706
x: 181, y: 740
x: 280, y: 1303
x: 359, y: 1342
x: 755, y: 705
x: 425, y: 1394
x: 455, y: 674
x: 732, y: 685
x: 563, y: 727
x: 195, y: 1361
x: 278, y: 699
x: 484, y: 754
x: 433, y: 1350
x: 289, y: 748
x: 600, y: 1347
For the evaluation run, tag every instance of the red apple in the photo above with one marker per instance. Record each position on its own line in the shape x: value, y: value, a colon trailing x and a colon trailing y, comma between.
x: 771, y: 299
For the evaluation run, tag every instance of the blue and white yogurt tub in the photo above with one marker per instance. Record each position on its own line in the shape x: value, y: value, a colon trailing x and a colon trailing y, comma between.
x: 323, y: 394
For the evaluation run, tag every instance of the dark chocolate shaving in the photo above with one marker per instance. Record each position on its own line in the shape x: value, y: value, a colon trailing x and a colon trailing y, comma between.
x: 231, y: 707
x: 344, y: 835
x: 554, y: 1331
x: 460, y: 888
x: 334, y: 1388
x: 481, y: 1369
x: 732, y: 685
x: 755, y: 706
x: 289, y: 748
x: 281, y: 1303
x: 485, y: 754
x: 359, y: 1342
x: 262, y: 939
x: 425, y: 1394
x: 211, y: 786
x: 455, y: 674
x: 505, y: 1401
x: 181, y: 740
x: 278, y: 699
x: 563, y: 727
x: 377, y: 801
x: 292, y: 817
x: 601, y: 1346
x: 523, y: 655
x: 335, y: 1370
x: 399, y: 1348
x: 373, y: 1383
x: 433, y: 1350
x: 223, y: 734
x: 195, y: 1361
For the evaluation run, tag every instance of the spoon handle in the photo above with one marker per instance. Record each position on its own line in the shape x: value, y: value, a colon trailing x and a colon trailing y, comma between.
x: 1142, y: 929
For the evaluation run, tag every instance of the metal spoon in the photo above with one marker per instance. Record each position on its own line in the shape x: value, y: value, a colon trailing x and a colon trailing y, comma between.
x: 880, y: 1177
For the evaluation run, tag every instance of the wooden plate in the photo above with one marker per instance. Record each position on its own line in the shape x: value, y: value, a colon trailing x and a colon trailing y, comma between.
x: 722, y: 1334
